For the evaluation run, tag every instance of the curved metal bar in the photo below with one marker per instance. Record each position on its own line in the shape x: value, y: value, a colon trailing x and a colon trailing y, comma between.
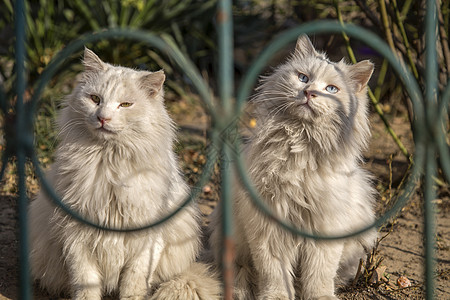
x: 411, y: 85
x: 3, y: 103
x: 3, y: 107
x: 5, y: 158
x: 359, y: 33
x: 211, y: 159
x: 256, y: 198
x: 182, y: 62
x: 445, y: 101
x: 442, y: 145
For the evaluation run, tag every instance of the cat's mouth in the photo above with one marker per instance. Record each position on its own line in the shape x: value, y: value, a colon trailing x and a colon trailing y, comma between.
x: 303, y: 107
x: 105, y: 130
x: 304, y: 102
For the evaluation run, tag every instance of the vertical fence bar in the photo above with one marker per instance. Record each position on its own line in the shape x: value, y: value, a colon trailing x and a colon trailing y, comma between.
x: 227, y: 223
x: 429, y: 229
x: 431, y: 83
x: 225, y: 33
x: 20, y: 23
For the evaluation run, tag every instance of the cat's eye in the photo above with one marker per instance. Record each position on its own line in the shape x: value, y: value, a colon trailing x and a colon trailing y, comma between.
x: 332, y: 89
x: 303, y: 78
x: 96, y: 99
x: 125, y: 104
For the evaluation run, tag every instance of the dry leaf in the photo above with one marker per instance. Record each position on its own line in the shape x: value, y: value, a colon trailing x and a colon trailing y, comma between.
x: 378, y: 275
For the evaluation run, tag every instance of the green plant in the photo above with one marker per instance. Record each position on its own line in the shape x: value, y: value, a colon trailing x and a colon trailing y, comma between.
x: 187, y: 23
x: 51, y: 25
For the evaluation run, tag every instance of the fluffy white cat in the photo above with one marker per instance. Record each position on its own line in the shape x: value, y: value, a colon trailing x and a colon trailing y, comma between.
x: 304, y: 160
x: 115, y: 166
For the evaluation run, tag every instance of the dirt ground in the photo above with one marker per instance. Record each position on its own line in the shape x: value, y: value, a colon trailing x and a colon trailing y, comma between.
x: 401, y: 252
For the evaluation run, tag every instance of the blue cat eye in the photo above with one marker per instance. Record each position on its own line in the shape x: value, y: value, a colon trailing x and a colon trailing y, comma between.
x: 332, y: 89
x: 303, y: 78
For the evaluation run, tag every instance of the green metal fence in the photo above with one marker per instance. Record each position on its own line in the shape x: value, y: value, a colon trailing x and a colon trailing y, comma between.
x: 429, y: 111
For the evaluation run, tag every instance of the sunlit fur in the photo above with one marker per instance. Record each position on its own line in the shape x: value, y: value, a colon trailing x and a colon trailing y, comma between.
x: 121, y: 175
x: 304, y: 160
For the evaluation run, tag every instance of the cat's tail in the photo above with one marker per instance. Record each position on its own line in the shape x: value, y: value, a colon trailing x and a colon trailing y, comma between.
x: 196, y: 283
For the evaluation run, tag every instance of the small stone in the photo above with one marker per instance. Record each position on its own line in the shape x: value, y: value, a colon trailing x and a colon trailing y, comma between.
x: 206, y: 189
x: 403, y: 282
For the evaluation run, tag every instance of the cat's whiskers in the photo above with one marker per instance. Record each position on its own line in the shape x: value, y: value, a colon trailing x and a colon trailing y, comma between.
x: 276, y: 110
x: 288, y: 105
x: 281, y: 108
x: 265, y: 96
x: 283, y: 86
x: 75, y: 109
x: 67, y: 128
x: 69, y: 123
x: 268, y: 93
x: 78, y: 135
x: 279, y: 90
x: 272, y: 99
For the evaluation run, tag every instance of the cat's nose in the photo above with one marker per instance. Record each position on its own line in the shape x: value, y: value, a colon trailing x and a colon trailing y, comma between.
x: 309, y: 94
x: 103, y: 120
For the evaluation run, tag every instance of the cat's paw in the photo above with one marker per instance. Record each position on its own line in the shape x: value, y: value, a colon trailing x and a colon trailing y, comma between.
x: 134, y: 292
x: 331, y: 297
x: 242, y: 294
x: 273, y: 297
x: 134, y: 298
x: 175, y: 290
x: 87, y: 294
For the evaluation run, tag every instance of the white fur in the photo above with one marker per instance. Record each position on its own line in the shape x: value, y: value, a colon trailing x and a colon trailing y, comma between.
x: 123, y: 175
x: 304, y: 160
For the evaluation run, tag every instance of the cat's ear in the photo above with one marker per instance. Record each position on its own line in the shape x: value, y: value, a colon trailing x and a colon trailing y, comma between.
x: 360, y: 73
x: 153, y: 82
x: 92, y: 62
x: 304, y: 46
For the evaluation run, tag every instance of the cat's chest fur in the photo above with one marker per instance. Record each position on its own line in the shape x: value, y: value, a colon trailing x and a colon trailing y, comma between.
x: 110, y: 186
x: 300, y: 181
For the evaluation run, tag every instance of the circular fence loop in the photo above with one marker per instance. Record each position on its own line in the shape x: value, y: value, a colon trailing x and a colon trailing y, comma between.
x: 169, y: 49
x: 211, y: 159
x: 5, y: 158
x: 184, y: 63
x: 3, y: 107
x: 405, y: 75
x: 3, y: 103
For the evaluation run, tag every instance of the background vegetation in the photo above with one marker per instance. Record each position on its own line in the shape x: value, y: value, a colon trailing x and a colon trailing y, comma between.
x: 191, y: 25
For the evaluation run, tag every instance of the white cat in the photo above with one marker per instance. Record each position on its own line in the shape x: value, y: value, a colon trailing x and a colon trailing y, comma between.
x: 115, y: 166
x: 304, y: 159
